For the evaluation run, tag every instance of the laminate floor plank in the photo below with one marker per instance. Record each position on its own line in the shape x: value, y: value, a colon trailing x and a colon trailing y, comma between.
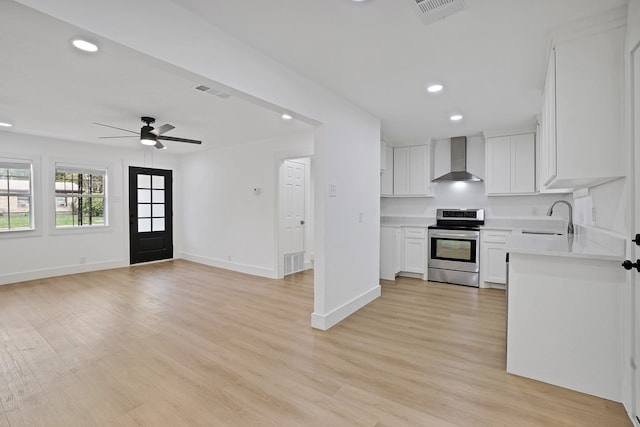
x: 179, y: 343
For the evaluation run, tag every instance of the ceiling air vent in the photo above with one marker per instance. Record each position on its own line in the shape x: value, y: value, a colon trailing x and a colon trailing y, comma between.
x: 433, y: 10
x: 212, y: 91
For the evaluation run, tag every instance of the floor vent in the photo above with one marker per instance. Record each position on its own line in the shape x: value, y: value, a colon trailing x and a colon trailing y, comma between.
x: 433, y: 10
x: 212, y: 91
x: 293, y: 263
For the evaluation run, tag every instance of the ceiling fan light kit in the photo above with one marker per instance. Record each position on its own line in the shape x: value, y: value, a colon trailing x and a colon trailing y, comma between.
x: 150, y: 135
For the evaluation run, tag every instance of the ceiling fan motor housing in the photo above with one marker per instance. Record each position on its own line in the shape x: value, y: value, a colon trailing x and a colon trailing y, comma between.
x: 146, y: 135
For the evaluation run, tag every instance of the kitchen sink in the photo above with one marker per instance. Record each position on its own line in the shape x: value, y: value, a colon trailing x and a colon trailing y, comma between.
x: 542, y: 232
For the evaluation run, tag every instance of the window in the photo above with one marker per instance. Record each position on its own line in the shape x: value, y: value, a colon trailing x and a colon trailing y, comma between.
x: 80, y: 196
x: 16, y: 195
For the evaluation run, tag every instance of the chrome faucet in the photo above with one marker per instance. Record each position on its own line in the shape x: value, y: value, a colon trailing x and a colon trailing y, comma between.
x: 550, y: 212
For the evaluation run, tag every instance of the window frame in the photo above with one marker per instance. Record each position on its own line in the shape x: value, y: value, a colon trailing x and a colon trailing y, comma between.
x: 33, y: 167
x: 86, y: 168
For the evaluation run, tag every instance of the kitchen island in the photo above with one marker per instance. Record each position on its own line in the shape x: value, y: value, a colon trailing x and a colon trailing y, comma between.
x: 564, y: 297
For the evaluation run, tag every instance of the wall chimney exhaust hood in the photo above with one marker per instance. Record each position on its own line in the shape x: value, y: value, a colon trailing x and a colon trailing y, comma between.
x: 458, y: 163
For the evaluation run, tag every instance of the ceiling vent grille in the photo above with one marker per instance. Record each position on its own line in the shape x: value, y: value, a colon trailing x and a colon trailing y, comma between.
x: 433, y: 10
x: 212, y: 91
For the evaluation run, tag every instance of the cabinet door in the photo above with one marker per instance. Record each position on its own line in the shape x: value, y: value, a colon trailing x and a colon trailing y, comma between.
x: 401, y: 171
x: 548, y: 156
x: 523, y: 174
x: 498, y: 165
x: 494, y: 265
x: 399, y: 251
x: 414, y: 255
x: 388, y: 250
x: 419, y: 180
x: 386, y: 178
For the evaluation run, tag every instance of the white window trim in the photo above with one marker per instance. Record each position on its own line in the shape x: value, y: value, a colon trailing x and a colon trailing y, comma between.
x: 79, y: 166
x: 36, y: 208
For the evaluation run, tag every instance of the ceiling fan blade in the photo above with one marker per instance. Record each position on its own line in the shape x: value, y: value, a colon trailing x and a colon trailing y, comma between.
x: 162, y: 129
x: 159, y: 145
x: 109, y: 126
x: 170, y: 138
x: 111, y: 137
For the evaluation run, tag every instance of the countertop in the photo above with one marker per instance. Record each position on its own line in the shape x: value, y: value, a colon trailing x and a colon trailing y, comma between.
x: 586, y: 243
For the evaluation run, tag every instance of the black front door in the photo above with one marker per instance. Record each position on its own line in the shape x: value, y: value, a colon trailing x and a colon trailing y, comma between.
x: 150, y: 214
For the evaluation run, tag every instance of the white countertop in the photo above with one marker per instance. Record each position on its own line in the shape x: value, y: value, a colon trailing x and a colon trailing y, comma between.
x: 579, y: 245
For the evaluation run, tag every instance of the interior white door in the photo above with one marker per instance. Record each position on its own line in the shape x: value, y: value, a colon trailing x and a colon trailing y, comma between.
x: 293, y: 221
x: 635, y: 295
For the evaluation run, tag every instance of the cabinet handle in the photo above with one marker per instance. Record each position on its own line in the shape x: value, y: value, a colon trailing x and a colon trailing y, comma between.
x: 637, y: 240
x: 628, y: 265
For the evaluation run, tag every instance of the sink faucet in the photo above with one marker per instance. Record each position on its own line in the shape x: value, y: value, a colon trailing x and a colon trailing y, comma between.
x: 550, y: 212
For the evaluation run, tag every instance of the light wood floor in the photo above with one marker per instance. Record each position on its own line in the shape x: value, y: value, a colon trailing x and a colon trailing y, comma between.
x: 178, y: 343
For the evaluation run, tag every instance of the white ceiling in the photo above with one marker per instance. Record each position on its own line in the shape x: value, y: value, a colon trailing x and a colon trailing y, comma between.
x: 49, y: 88
x: 377, y: 54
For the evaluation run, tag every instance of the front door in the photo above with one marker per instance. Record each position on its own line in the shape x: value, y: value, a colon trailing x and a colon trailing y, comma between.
x: 150, y: 214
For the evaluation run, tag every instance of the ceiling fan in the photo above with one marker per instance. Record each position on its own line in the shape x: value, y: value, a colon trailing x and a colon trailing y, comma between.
x: 150, y: 135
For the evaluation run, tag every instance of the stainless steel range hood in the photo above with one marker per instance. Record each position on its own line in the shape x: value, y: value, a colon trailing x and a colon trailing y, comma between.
x: 458, y: 163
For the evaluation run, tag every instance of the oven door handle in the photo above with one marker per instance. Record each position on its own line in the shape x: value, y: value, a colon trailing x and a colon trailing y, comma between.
x: 472, y: 235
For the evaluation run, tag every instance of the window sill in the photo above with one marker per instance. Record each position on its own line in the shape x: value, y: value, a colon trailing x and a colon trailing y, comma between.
x: 80, y: 230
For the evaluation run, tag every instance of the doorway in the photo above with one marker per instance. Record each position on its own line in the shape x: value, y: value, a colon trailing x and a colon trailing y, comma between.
x: 295, y: 213
x: 150, y: 214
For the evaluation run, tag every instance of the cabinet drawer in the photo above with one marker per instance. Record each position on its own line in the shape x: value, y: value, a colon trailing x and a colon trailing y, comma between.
x: 415, y: 232
x: 495, y: 236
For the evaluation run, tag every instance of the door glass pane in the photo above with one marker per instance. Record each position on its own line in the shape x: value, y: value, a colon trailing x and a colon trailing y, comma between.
x: 158, y: 182
x: 158, y: 210
x: 144, y: 196
x: 158, y: 196
x: 144, y: 181
x: 144, y: 225
x: 144, y: 210
x: 158, y: 224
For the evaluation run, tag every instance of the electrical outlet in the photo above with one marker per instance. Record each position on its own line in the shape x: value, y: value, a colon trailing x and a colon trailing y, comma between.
x: 360, y: 217
x: 228, y: 257
x: 83, y: 260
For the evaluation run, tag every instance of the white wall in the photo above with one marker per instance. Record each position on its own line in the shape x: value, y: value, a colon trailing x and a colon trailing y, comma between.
x: 224, y: 223
x: 49, y: 252
x: 347, y: 150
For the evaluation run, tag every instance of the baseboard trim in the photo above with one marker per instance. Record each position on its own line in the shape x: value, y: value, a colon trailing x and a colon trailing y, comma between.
x: 327, y: 321
x: 228, y: 265
x: 26, y: 276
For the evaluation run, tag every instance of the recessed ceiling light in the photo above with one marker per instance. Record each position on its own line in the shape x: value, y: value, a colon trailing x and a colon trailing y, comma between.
x: 5, y: 125
x: 359, y: 1
x: 455, y: 117
x: 434, y: 88
x: 85, y: 45
x: 286, y: 116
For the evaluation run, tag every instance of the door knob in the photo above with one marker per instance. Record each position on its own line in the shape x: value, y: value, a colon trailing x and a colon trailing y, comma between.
x: 302, y: 222
x: 628, y: 265
x: 637, y: 240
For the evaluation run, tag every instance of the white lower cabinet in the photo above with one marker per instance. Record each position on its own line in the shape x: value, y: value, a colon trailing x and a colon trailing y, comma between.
x: 493, y: 266
x: 403, y: 250
x: 414, y: 250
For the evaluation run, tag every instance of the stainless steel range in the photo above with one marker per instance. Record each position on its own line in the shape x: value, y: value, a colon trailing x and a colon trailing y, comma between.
x: 454, y: 244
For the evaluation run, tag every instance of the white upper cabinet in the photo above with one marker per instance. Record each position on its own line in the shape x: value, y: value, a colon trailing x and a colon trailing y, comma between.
x: 580, y: 125
x: 386, y: 175
x: 510, y: 161
x: 411, y: 171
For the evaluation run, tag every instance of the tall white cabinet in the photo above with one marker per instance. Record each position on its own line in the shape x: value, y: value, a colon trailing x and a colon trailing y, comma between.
x: 386, y: 170
x: 581, y: 121
x: 411, y: 171
x: 510, y: 160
